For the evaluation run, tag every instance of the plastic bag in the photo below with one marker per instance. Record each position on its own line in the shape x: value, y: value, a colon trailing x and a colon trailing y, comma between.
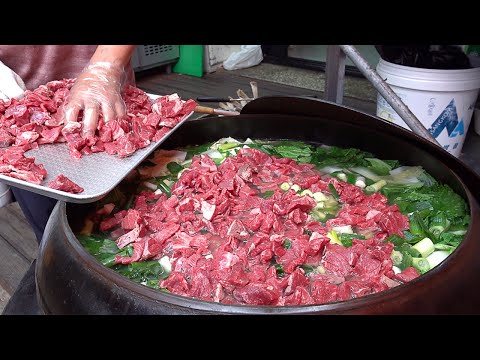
x: 249, y: 55
x: 11, y: 85
x: 445, y: 57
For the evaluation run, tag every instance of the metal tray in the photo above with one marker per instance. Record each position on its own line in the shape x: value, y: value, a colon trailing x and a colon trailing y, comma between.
x: 97, y: 173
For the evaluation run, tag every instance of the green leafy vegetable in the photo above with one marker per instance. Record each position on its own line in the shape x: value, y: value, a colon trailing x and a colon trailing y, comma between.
x: 193, y: 150
x: 280, y: 271
x: 445, y: 199
x: 104, y: 250
x: 267, y: 194
x: 307, y: 268
x: 378, y: 166
x: 295, y: 150
x: 332, y: 155
x: 438, y: 223
x: 449, y: 238
x: 174, y: 167
x: 143, y: 271
x: 395, y: 240
x: 346, y: 239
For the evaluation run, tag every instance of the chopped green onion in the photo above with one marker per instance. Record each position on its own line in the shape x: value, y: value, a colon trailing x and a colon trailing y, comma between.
x: 376, y: 186
x: 409, y: 249
x: 341, y: 176
x: 396, y: 270
x: 366, y: 173
x: 445, y: 247
x: 401, y: 258
x: 320, y: 205
x: 347, y: 229
x: 333, y: 191
x: 227, y: 146
x: 320, y: 215
x: 425, y: 247
x: 397, y: 257
x: 164, y: 188
x: 360, y: 182
x: 421, y: 264
x: 295, y: 187
x: 332, y: 235
x: 149, y: 185
x: 306, y: 192
x: 437, y: 257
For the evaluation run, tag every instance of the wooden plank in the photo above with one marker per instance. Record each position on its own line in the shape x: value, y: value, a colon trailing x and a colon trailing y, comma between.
x: 219, y: 84
x: 13, y: 266
x: 15, y: 230
x: 4, y: 297
x: 226, y: 84
x: 215, y: 85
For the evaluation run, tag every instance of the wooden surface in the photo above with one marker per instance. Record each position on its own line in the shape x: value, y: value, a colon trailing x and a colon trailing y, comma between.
x: 18, y: 248
x: 223, y: 83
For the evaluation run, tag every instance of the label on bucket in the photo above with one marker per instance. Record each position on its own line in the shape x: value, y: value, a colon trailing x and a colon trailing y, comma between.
x: 446, y: 115
x: 448, y: 119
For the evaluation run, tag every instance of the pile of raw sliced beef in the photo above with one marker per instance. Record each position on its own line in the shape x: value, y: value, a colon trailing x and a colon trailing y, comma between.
x: 36, y: 120
x: 228, y: 243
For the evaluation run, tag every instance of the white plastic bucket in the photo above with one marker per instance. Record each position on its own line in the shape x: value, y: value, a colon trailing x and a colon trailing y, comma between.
x: 476, y: 120
x: 5, y: 195
x: 443, y: 100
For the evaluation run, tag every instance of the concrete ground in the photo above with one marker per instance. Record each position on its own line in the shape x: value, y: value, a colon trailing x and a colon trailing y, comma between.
x: 355, y: 87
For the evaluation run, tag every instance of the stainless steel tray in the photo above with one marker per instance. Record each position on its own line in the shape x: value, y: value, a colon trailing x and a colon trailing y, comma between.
x: 97, y: 173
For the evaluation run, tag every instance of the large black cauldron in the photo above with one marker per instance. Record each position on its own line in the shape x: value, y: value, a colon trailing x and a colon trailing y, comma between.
x: 71, y: 281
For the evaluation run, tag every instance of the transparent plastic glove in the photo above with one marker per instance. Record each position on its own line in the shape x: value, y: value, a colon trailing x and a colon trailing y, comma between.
x: 11, y: 85
x: 97, y: 91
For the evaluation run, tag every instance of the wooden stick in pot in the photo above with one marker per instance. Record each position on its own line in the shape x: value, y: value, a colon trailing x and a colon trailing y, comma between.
x: 213, y: 111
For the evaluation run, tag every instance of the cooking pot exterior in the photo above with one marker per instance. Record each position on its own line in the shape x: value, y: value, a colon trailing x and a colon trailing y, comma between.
x: 71, y: 281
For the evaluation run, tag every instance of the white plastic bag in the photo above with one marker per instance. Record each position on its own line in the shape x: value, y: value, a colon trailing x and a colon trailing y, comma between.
x: 249, y: 55
x: 11, y: 85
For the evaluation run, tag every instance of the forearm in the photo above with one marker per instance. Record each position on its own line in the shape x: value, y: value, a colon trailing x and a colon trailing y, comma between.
x: 116, y: 54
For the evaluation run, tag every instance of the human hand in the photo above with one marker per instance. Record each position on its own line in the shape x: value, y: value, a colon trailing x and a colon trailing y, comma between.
x: 97, y: 91
x: 11, y: 85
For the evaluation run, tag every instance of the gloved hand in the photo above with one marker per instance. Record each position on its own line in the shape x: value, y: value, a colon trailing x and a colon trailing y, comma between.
x: 11, y: 85
x: 97, y: 90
